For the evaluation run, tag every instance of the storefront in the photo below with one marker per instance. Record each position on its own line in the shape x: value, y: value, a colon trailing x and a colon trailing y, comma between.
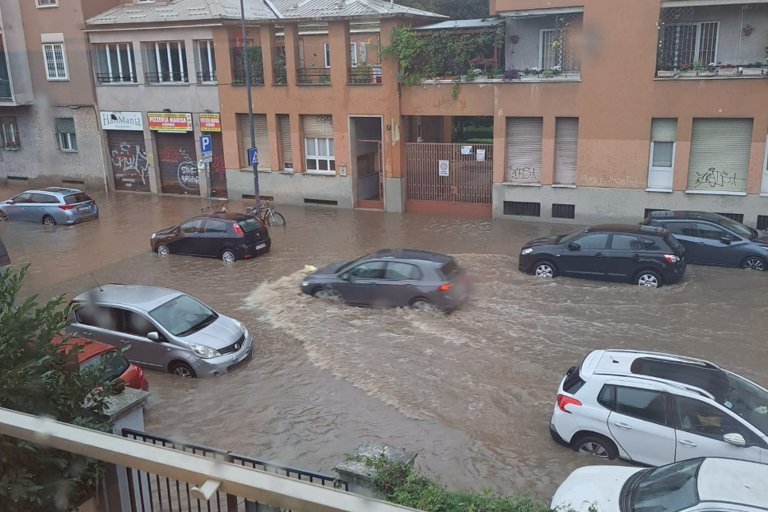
x: 211, y: 124
x: 127, y: 149
x: 176, y: 152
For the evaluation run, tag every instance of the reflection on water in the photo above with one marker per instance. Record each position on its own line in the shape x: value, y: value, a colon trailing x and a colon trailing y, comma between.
x: 472, y: 391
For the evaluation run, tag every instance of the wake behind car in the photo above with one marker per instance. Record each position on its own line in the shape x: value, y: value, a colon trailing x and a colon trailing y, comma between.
x: 229, y: 236
x: 166, y: 330
x: 713, y: 239
x: 697, y: 485
x: 643, y: 255
x: 393, y: 278
x: 50, y: 206
x: 653, y: 408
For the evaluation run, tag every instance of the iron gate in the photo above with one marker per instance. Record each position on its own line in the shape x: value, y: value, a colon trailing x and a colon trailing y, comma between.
x: 466, y: 188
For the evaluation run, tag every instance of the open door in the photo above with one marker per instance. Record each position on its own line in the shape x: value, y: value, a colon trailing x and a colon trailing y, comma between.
x: 367, y: 162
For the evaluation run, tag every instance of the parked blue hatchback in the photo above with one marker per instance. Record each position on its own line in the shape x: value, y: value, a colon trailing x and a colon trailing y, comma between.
x: 50, y: 206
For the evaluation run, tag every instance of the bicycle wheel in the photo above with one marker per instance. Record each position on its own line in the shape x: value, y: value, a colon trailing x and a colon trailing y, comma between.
x: 276, y: 219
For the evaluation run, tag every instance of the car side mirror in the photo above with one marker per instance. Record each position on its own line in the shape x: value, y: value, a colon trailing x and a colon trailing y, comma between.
x: 10, y: 201
x: 154, y: 336
x: 726, y: 240
x: 574, y: 247
x: 735, y: 440
x: 344, y: 277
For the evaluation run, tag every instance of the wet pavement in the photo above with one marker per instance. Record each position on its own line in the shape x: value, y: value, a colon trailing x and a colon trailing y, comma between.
x: 472, y: 392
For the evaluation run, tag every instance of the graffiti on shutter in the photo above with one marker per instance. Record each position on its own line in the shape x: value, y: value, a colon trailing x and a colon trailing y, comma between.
x: 178, y: 166
x: 128, y: 156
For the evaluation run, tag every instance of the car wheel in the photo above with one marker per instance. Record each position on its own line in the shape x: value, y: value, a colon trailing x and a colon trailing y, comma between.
x: 326, y: 293
x: 421, y: 304
x: 3, y: 216
x: 545, y: 269
x: 49, y: 221
x: 228, y: 256
x: 183, y: 370
x: 163, y: 250
x: 648, y: 278
x: 754, y: 263
x: 596, y: 445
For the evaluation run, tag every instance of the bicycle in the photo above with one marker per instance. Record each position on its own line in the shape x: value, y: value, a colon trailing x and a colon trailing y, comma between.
x: 268, y: 214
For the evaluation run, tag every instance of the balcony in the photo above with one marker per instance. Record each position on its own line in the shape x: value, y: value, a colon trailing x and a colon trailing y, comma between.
x: 169, y: 77
x: 314, y: 76
x: 115, y: 78
x: 712, y: 42
x: 365, y: 75
x: 206, y: 77
x: 255, y: 66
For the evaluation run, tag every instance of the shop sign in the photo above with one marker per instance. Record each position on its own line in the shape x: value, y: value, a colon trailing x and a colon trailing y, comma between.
x: 163, y: 122
x: 121, y: 121
x: 210, y: 123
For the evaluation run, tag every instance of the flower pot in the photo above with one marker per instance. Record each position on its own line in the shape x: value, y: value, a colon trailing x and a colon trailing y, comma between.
x: 728, y: 71
x: 662, y: 73
x: 688, y: 73
x: 751, y: 71
x: 704, y: 72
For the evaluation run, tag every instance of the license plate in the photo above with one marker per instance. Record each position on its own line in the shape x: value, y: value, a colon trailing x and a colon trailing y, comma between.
x: 260, y: 246
x: 84, y: 209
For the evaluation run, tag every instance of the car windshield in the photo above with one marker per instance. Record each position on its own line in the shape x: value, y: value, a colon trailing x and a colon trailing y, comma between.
x: 566, y: 239
x: 748, y: 401
x: 667, y: 489
x: 348, y: 265
x: 737, y: 227
x: 115, y: 365
x: 77, y: 198
x: 183, y: 315
x: 250, y: 224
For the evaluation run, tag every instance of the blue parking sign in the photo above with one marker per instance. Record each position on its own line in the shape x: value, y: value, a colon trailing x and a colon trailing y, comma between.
x: 206, y: 144
x: 253, y: 156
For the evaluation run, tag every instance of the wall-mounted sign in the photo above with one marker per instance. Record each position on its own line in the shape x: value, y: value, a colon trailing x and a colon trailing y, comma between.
x: 466, y: 150
x: 481, y: 155
x: 163, y: 122
x: 210, y: 123
x: 121, y: 121
x: 443, y: 167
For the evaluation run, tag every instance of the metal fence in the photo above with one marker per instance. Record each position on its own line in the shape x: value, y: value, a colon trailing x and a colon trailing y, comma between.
x: 206, y: 76
x: 314, y: 76
x: 364, y: 75
x: 150, y: 493
x: 166, y: 76
x: 115, y: 78
x: 255, y: 65
x: 683, y: 41
x: 467, y: 179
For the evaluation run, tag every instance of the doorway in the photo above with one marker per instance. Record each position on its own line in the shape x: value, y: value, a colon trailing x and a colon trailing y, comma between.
x: 367, y: 161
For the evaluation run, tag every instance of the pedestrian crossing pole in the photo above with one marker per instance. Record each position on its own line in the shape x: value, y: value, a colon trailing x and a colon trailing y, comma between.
x: 243, y: 42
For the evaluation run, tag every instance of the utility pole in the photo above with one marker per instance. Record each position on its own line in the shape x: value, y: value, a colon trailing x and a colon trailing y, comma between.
x: 250, y: 106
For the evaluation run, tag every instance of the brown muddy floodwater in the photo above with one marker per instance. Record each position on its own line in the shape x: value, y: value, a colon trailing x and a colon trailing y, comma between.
x: 471, y: 392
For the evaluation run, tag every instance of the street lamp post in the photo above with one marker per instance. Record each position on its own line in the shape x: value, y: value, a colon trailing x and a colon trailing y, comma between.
x: 244, y: 42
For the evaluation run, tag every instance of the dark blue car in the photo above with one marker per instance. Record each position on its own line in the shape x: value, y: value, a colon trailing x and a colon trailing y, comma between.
x: 712, y: 239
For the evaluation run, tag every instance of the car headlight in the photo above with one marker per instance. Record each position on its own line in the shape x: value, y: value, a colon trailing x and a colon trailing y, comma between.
x: 204, y: 352
x: 526, y: 251
x: 154, y: 235
x: 305, y: 283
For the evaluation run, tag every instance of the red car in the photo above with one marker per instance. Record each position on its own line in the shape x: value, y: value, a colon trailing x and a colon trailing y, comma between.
x: 118, y: 367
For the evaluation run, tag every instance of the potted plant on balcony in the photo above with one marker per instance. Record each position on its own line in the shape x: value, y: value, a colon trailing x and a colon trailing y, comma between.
x: 530, y: 73
x: 687, y: 70
x: 754, y: 69
x: 512, y: 74
x: 702, y: 70
x: 665, y: 71
x: 728, y: 70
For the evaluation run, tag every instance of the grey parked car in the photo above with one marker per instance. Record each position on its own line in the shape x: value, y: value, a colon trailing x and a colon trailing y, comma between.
x: 166, y: 330
x: 393, y: 278
x: 50, y: 206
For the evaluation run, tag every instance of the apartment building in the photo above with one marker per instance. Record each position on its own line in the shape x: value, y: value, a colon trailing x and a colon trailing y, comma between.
x: 48, y: 119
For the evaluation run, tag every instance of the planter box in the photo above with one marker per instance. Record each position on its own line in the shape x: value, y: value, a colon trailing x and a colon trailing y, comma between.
x: 688, y: 73
x: 751, y: 71
x: 728, y: 71
x: 706, y: 73
x: 665, y: 73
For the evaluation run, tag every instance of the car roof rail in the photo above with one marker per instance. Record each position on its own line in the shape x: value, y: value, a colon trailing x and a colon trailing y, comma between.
x: 667, y: 382
x: 702, y: 362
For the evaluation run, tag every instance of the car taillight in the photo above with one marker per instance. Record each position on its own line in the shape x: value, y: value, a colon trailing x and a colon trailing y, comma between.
x: 671, y: 258
x: 445, y: 287
x: 92, y: 202
x: 66, y: 207
x: 563, y: 400
x: 238, y: 229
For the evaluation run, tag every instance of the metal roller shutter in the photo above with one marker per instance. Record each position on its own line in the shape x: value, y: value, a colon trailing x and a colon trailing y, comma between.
x: 720, y: 154
x: 128, y: 155
x: 664, y: 130
x: 218, y: 169
x: 284, y: 124
x: 317, y: 127
x: 524, y: 149
x: 262, y: 139
x: 178, y: 163
x: 566, y: 148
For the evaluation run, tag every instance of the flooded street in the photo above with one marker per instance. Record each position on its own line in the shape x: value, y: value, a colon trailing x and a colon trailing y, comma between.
x: 472, y: 392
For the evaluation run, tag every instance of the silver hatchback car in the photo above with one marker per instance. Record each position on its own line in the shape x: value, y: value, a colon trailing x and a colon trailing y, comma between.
x: 165, y: 329
x: 50, y: 206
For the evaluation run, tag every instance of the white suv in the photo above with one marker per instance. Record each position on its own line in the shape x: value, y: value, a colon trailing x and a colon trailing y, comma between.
x: 655, y: 409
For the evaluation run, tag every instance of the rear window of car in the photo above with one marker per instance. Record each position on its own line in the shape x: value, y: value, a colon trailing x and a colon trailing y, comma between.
x: 77, y: 198
x: 450, y: 269
x: 249, y: 225
x: 573, y: 381
x: 116, y: 365
x: 673, y: 242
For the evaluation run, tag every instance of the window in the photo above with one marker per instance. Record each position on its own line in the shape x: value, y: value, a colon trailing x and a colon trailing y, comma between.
x: 353, y: 54
x: 662, y: 159
x: 205, y: 60
x: 55, y: 61
x: 44, y: 199
x: 114, y: 63
x: 327, y: 53
x: 370, y: 270
x: 710, y: 232
x: 301, y: 53
x: 593, y: 242
x: 450, y: 269
x: 681, y: 228
x: 193, y: 226
x: 706, y: 420
x: 607, y: 397
x: 136, y: 324
x: 642, y: 404
x: 166, y: 62
x: 115, y: 365
x: 549, y: 57
x: 320, y: 154
x: 402, y: 272
x: 22, y: 198
x: 626, y: 243
x: 11, y: 141
x: 216, y: 226
x: 47, y: 3
x: 686, y: 43
x: 80, y: 197
x: 183, y: 315
x: 65, y: 134
x: 668, y: 488
x: 99, y: 316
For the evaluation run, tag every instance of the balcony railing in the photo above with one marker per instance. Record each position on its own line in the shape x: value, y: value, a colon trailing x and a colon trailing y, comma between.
x: 115, y: 78
x: 206, y: 77
x: 5, y: 90
x: 314, y: 76
x: 280, y: 74
x: 365, y: 75
x: 166, y: 76
x: 255, y: 65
